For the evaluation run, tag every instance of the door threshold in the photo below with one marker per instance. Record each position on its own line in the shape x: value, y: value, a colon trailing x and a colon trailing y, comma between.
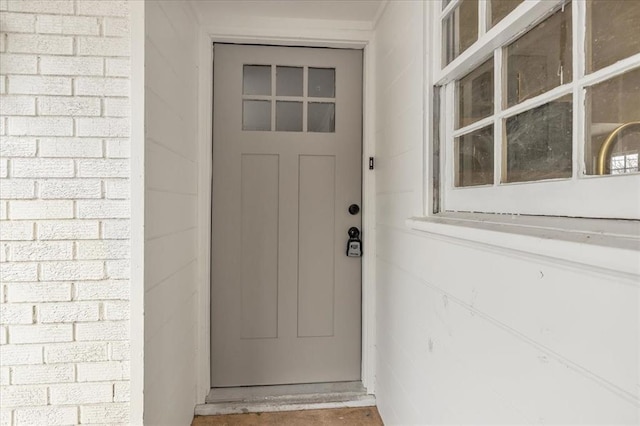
x: 255, y: 399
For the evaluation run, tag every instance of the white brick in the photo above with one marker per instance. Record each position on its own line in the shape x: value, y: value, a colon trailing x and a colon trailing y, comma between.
x: 68, y: 312
x: 11, y: 189
x: 16, y: 231
x: 76, y: 352
x: 18, y: 105
x: 16, y: 314
x: 80, y: 393
x: 116, y: 229
x: 116, y: 27
x: 69, y: 25
x: 18, y: 64
x: 75, y: 106
x: 97, y: 86
x: 3, y: 335
x: 50, y: 416
x: 122, y: 392
x: 103, y: 371
x: 73, y: 270
x: 103, y: 249
x: 68, y: 230
x: 117, y: 107
x: 70, y: 147
x: 118, y: 269
x: 104, y: 8
x: 3, y: 42
x: 119, y: 310
x: 118, y: 148
x: 18, y: 272
x: 41, y: 250
x: 109, y: 209
x: 118, y: 67
x: 42, y: 6
x: 73, y: 65
x: 120, y: 350
x: 6, y: 416
x: 36, y: 43
x: 41, y: 374
x: 37, y: 85
x: 97, y: 46
x: 38, y: 209
x: 103, y: 168
x: 49, y: 333
x: 103, y: 290
x: 106, y: 413
x: 5, y: 376
x: 107, y: 127
x: 118, y: 189
x: 40, y: 126
x: 102, y: 331
x: 17, y: 146
x: 19, y: 396
x: 21, y: 354
x: 4, y: 163
x: 17, y: 23
x: 42, y: 168
x: 71, y: 189
x: 39, y: 292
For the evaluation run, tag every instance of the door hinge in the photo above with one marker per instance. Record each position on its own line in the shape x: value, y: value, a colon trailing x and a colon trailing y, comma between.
x: 371, y: 163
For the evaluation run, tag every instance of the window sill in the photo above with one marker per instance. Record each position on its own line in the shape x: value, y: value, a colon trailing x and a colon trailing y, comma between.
x: 613, y: 245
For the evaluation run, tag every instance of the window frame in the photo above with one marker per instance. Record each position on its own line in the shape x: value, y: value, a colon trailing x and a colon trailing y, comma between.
x: 581, y: 195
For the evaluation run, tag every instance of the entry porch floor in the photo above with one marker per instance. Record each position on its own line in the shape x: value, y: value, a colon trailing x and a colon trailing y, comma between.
x: 360, y: 416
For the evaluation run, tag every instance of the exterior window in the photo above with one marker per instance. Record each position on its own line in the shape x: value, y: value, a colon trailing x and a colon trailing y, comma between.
x: 554, y: 103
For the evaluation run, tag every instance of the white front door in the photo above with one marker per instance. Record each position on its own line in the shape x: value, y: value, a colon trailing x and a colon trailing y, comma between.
x: 287, y: 156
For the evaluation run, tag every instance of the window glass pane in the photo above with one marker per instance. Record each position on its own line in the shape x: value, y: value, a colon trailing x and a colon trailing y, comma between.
x: 613, y: 31
x: 288, y: 81
x: 614, y: 116
x: 445, y: 3
x: 289, y: 116
x: 321, y: 117
x: 322, y: 82
x: 256, y: 115
x: 474, y: 152
x: 501, y: 8
x: 460, y: 30
x: 541, y: 59
x: 256, y: 80
x: 539, y: 142
x: 475, y: 95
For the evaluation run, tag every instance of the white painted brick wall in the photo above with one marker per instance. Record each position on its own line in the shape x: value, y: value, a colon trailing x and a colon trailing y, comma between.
x: 64, y: 212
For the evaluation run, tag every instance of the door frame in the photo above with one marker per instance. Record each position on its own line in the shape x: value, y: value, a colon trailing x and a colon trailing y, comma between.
x: 360, y: 38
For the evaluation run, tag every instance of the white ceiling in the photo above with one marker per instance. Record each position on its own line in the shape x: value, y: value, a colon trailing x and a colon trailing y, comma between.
x: 337, y: 10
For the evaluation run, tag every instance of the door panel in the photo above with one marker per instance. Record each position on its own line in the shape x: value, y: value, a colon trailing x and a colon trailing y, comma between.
x: 287, y: 155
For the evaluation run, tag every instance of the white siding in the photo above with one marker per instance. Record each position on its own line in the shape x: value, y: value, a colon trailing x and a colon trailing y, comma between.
x: 64, y: 287
x: 469, y: 334
x: 171, y: 234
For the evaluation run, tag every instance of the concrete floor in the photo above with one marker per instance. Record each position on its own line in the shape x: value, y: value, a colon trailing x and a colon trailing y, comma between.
x: 365, y: 416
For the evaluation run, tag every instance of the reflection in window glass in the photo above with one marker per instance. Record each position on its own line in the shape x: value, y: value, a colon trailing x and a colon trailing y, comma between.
x: 288, y: 81
x: 322, y: 82
x: 445, y: 3
x: 474, y: 153
x: 475, y: 95
x: 256, y: 80
x: 498, y: 9
x: 541, y: 59
x: 460, y: 30
x: 613, y: 31
x: 256, y: 115
x: 321, y: 117
x: 539, y: 142
x: 614, y: 129
x: 288, y: 116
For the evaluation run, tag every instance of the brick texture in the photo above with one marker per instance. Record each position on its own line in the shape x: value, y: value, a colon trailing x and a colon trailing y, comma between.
x: 64, y: 212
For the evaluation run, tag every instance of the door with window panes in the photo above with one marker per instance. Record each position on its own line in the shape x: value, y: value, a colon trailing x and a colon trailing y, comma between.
x: 549, y: 121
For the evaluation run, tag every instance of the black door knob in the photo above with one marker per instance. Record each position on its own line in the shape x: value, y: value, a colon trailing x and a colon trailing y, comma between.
x: 354, y: 209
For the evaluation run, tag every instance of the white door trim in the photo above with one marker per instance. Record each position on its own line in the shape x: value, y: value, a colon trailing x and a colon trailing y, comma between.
x: 316, y: 38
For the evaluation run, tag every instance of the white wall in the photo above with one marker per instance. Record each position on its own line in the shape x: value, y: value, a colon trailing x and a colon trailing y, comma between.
x: 171, y: 234
x: 476, y: 334
x: 64, y: 212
